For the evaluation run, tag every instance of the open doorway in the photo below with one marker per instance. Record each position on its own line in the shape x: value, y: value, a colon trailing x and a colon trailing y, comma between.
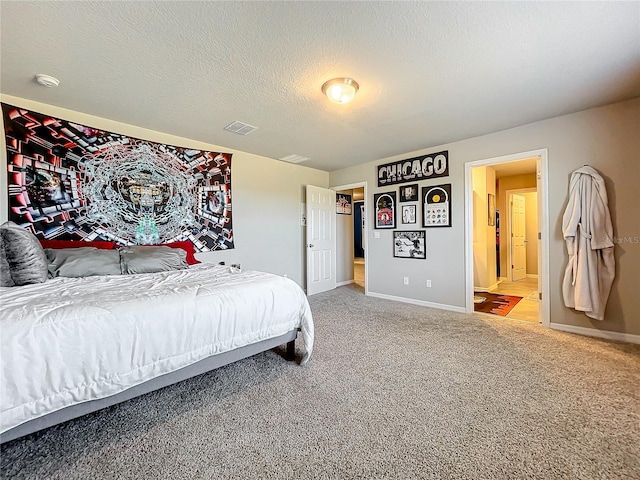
x: 506, y: 235
x: 351, y: 237
x: 359, y: 237
x: 517, y: 245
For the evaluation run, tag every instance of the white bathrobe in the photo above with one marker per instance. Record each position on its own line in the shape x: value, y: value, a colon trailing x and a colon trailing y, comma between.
x: 587, y: 230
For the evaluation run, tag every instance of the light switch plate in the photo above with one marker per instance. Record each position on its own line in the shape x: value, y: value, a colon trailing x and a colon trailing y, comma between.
x: 376, y: 234
x: 303, y: 214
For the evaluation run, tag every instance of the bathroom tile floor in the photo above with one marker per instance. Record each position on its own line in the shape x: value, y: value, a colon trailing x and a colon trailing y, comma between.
x: 527, y: 288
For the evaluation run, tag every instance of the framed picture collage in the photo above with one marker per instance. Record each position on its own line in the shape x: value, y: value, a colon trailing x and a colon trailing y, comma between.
x: 412, y: 204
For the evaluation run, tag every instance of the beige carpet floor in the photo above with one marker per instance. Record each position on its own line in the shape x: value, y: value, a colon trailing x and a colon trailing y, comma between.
x: 392, y: 391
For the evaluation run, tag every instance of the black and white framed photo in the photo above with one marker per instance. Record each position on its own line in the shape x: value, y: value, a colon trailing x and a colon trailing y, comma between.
x: 409, y: 193
x: 408, y: 214
x: 343, y: 203
x: 409, y: 244
x: 385, y: 209
x: 436, y: 206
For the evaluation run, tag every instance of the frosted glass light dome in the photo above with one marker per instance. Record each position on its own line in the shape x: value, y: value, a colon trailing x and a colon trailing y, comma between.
x: 340, y: 90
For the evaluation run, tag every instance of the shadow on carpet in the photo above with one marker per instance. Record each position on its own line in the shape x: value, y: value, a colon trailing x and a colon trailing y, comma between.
x: 485, y: 302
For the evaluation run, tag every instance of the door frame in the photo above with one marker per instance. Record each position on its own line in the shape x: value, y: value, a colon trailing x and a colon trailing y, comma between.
x: 508, y: 227
x: 542, y: 178
x: 351, y: 186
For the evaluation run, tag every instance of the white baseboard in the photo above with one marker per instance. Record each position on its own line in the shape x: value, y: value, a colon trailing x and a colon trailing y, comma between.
x: 487, y: 290
x: 346, y: 282
x: 422, y: 303
x: 593, y: 332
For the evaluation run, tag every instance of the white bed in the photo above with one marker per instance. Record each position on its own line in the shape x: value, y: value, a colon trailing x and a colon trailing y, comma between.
x: 70, y: 346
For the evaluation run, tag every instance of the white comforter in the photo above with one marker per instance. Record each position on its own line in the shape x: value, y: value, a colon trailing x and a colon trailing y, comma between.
x: 67, y: 340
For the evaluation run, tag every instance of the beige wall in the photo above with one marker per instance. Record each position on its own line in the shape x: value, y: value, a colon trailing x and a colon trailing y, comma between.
x: 607, y: 138
x: 266, y: 197
x: 344, y: 245
x: 512, y: 182
x: 484, y: 235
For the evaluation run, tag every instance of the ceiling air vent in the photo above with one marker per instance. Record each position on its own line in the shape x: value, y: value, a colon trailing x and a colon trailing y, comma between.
x: 295, y: 158
x: 240, y: 128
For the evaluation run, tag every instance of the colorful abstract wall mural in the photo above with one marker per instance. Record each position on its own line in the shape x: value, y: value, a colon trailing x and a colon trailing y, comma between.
x: 72, y: 182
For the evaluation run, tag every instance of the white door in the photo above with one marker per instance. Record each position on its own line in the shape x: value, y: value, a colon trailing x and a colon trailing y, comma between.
x: 321, y: 239
x: 518, y: 246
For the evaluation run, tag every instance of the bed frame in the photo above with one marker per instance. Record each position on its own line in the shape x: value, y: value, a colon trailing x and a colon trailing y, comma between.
x: 205, y: 365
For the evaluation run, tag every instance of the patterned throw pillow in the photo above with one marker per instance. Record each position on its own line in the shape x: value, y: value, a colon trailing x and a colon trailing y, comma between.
x: 24, y: 254
x: 5, y: 271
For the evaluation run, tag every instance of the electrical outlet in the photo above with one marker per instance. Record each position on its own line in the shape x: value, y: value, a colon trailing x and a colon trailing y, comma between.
x: 406, y: 280
x: 429, y: 283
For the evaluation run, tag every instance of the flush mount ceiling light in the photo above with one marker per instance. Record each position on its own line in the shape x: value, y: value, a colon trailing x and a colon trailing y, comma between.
x: 47, y: 80
x: 340, y: 90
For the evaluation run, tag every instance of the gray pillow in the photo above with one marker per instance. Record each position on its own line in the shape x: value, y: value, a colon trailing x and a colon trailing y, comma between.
x: 82, y: 262
x: 25, y: 256
x: 152, y: 259
x: 5, y: 271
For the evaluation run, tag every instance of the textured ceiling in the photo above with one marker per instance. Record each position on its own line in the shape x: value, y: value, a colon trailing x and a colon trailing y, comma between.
x: 430, y: 72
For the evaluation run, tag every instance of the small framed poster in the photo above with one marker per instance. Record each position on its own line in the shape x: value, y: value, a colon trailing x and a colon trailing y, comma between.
x: 436, y: 205
x: 408, y: 214
x: 409, y: 244
x: 343, y: 203
x: 409, y: 193
x: 385, y: 209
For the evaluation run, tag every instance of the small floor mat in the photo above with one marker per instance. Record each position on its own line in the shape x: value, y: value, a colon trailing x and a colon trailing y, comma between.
x: 494, y: 304
x: 534, y: 296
